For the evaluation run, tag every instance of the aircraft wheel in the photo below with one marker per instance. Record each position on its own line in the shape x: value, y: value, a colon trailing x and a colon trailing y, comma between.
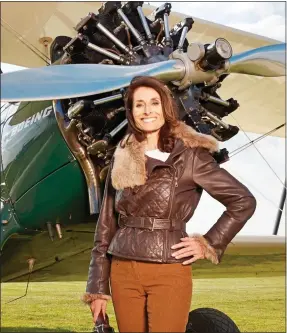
x: 208, y: 320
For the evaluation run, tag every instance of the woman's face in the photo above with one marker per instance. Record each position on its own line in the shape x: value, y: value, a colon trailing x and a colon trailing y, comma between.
x: 147, y: 109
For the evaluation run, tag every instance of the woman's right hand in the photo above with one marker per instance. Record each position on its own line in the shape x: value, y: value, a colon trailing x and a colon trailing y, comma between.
x: 97, y: 306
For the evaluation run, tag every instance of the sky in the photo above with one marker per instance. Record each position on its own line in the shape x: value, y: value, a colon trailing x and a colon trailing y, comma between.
x: 266, y: 19
x: 261, y: 18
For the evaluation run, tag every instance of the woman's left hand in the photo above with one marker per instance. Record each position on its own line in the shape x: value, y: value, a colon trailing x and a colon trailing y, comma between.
x: 190, y: 247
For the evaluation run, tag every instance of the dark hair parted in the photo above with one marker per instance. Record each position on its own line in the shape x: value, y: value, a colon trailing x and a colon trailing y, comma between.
x: 170, y: 111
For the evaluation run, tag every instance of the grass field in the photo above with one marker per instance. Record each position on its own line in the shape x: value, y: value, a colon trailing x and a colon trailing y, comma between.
x: 249, y: 286
x: 255, y: 304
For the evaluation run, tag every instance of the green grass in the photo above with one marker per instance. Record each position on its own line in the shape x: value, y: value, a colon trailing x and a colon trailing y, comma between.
x: 256, y: 304
x: 248, y: 285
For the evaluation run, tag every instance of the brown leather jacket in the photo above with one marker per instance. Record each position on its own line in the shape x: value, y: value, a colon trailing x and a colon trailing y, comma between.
x: 147, y: 204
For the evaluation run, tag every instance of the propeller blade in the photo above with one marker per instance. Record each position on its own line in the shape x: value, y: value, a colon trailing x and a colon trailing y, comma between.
x: 264, y: 61
x: 68, y: 81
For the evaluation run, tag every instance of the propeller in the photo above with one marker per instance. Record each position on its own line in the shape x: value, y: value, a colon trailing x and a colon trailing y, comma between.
x: 264, y: 61
x: 69, y: 81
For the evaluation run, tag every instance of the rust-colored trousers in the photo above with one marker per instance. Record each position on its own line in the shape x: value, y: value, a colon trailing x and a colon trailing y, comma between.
x: 150, y: 297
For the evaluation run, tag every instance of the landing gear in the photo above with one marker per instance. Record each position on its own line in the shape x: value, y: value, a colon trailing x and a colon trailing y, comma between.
x: 208, y: 320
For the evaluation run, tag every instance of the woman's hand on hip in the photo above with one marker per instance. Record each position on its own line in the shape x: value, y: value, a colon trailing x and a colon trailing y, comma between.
x: 97, y: 306
x: 189, y: 247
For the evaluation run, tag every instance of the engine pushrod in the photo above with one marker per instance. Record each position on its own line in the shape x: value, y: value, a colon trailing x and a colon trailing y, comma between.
x: 218, y: 121
x: 144, y: 23
x: 217, y: 101
x: 182, y: 37
x: 105, y: 52
x: 166, y: 28
x: 118, y: 128
x: 114, y: 38
x: 107, y: 99
x: 131, y: 27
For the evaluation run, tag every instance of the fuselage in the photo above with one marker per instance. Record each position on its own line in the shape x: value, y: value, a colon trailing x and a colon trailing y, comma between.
x: 41, y: 180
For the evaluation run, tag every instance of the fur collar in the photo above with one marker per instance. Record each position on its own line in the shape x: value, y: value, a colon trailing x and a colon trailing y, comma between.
x: 129, y: 167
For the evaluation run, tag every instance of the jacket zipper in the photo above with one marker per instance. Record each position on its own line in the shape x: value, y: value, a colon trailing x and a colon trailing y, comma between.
x: 174, y: 185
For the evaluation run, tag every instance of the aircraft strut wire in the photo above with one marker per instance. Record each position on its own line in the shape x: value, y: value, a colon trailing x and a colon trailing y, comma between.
x: 247, y: 145
x: 251, y: 142
x: 255, y: 189
x: 25, y: 42
x: 18, y: 35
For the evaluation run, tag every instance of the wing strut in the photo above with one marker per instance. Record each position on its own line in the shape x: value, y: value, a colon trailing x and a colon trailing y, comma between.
x: 280, y: 210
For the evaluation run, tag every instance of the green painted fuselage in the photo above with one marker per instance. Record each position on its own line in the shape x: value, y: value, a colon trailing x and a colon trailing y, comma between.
x: 41, y: 181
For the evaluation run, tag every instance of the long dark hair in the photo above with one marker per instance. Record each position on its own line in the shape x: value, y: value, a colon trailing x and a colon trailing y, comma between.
x: 170, y: 111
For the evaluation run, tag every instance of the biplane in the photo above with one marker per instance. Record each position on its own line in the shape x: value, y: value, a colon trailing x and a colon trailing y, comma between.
x: 64, y: 116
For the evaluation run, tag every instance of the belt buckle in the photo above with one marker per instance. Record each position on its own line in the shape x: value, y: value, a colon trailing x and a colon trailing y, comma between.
x: 152, y: 225
x: 172, y: 225
x: 120, y: 222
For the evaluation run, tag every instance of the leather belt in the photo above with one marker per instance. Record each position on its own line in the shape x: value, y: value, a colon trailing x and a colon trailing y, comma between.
x: 150, y: 223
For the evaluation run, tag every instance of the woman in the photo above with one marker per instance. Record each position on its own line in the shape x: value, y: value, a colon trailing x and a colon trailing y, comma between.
x: 152, y: 189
